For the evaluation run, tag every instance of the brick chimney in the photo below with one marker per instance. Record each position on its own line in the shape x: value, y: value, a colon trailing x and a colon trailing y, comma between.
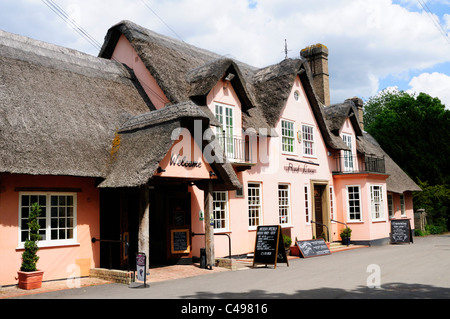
x: 317, y: 57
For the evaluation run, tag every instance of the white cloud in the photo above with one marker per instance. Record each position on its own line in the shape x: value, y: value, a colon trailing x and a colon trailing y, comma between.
x: 434, y: 84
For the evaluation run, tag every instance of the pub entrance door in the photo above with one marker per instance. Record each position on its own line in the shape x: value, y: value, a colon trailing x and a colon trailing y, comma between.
x: 318, y: 211
x: 170, y: 225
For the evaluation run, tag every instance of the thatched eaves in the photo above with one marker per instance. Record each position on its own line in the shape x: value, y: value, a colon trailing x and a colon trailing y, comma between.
x: 143, y: 141
x: 185, y: 72
x: 59, y: 108
x: 272, y: 86
x: 337, y: 114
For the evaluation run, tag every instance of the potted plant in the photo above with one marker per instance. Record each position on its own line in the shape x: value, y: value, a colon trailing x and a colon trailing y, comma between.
x: 345, y: 236
x: 29, y: 277
x: 287, y: 243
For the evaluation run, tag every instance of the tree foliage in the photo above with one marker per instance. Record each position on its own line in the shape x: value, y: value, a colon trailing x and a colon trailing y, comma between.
x: 415, y: 132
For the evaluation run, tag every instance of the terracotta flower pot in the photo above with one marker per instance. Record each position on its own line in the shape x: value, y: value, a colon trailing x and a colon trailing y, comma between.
x: 294, y: 251
x: 30, y: 280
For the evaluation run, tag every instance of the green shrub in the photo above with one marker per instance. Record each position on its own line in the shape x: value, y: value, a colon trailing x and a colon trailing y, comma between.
x: 287, y: 241
x: 346, y: 232
x: 419, y: 233
x: 435, y: 229
x: 29, y: 256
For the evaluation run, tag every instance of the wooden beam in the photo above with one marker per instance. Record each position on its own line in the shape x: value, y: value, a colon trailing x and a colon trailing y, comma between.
x: 144, y: 226
x: 209, y: 230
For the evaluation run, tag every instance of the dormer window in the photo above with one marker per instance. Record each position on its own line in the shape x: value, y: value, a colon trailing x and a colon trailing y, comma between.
x: 224, y: 114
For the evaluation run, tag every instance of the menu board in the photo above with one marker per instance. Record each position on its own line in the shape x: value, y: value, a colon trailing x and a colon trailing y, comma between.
x: 401, y: 231
x: 312, y: 248
x: 269, y: 246
x: 180, y: 241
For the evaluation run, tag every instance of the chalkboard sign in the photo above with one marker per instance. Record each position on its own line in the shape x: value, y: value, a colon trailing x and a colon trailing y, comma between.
x: 180, y: 241
x: 269, y: 246
x: 400, y: 231
x: 312, y: 248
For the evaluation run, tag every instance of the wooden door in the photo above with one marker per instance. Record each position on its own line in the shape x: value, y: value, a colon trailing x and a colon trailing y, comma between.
x: 318, y: 211
x: 178, y: 226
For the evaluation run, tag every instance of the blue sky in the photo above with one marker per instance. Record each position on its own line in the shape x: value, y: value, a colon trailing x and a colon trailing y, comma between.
x: 373, y: 44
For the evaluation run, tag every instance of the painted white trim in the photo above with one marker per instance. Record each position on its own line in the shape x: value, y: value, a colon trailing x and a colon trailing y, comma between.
x: 49, y: 242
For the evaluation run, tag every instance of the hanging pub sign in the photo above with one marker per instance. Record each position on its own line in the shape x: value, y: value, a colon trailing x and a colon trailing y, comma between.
x: 269, y: 246
x: 401, y: 231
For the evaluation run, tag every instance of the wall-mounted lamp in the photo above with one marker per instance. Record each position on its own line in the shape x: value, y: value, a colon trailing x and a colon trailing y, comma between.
x: 227, y: 79
x: 211, y: 174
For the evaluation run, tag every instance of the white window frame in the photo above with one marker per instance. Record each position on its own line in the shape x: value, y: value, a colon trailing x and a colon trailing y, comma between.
x: 308, y: 207
x: 349, y: 219
x: 226, y: 131
x: 254, y: 204
x: 287, y: 140
x: 220, y: 210
x: 391, y: 205
x: 402, y: 206
x: 376, y: 196
x: 284, y: 204
x: 308, y: 143
x: 47, y: 230
x: 349, y: 165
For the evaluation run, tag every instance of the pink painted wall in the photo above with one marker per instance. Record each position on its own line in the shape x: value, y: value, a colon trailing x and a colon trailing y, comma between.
x: 58, y: 262
x: 272, y: 171
x: 409, y: 209
x: 125, y: 53
x: 367, y: 228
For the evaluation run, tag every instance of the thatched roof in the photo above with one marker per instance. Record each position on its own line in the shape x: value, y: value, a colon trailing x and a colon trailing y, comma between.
x: 63, y: 112
x: 59, y: 108
x: 185, y: 72
x: 337, y: 114
x: 144, y: 140
x: 182, y: 71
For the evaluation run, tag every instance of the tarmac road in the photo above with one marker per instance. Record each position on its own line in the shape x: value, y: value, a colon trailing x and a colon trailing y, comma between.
x: 409, y: 271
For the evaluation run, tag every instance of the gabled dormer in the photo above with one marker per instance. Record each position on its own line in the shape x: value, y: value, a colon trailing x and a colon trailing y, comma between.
x: 345, y: 121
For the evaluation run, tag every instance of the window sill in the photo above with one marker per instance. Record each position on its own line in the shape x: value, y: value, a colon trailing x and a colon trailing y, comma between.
x: 289, y: 154
x: 222, y: 231
x: 50, y: 245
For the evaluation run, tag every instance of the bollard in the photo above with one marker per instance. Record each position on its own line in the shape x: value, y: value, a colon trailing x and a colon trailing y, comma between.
x: 203, y: 258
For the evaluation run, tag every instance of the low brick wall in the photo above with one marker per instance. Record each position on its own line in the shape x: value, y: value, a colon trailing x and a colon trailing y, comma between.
x: 226, y: 263
x: 118, y: 276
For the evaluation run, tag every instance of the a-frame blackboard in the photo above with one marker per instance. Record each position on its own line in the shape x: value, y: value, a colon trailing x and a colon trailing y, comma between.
x: 401, y: 231
x: 269, y: 246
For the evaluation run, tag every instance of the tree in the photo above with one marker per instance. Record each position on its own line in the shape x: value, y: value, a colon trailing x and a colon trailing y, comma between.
x: 415, y: 132
x: 29, y: 256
